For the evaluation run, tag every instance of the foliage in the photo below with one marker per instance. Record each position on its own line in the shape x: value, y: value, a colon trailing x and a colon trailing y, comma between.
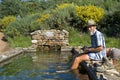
x: 57, y: 19
x: 90, y: 12
x: 21, y: 27
x: 10, y: 7
x: 20, y: 41
x: 39, y: 21
x: 81, y: 39
x: 110, y: 6
x: 43, y: 18
x: 6, y: 20
x: 27, y: 7
x: 61, y: 16
x: 111, y: 24
x: 65, y: 5
x: 114, y: 28
x: 32, y: 7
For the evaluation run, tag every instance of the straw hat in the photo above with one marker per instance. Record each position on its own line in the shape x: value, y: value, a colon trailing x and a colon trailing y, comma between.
x: 91, y: 23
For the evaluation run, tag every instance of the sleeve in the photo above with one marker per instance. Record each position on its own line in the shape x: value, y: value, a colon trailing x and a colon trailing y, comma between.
x: 99, y: 39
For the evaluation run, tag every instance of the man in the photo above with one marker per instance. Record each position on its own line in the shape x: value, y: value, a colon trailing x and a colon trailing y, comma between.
x: 114, y: 53
x: 97, y: 50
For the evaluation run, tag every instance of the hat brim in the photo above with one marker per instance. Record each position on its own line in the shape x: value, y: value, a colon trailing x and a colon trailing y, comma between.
x: 91, y: 25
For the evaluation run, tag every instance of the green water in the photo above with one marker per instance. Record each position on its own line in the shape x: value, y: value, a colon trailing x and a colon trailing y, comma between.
x: 38, y: 66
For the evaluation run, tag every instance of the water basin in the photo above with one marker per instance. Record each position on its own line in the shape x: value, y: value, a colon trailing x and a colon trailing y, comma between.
x: 38, y: 66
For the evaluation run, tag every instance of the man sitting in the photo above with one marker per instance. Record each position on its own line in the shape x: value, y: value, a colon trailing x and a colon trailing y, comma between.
x: 97, y: 50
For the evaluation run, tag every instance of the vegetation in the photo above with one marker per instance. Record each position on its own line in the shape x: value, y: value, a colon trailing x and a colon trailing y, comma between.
x: 112, y: 24
x: 83, y: 39
x: 10, y: 7
x: 6, y: 20
x: 72, y: 15
x: 90, y: 12
x: 20, y: 41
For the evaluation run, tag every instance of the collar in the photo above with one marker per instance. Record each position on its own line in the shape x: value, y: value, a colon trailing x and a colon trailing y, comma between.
x: 94, y: 31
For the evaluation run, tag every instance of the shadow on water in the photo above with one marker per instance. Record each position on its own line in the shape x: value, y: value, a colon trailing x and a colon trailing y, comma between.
x: 42, y: 65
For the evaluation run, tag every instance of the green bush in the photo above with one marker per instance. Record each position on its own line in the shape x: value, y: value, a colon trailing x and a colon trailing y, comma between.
x: 114, y: 29
x: 39, y: 23
x: 111, y: 24
x: 60, y: 17
x: 21, y: 27
x: 110, y: 6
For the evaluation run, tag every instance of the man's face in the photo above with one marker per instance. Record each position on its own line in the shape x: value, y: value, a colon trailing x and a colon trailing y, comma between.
x: 91, y: 29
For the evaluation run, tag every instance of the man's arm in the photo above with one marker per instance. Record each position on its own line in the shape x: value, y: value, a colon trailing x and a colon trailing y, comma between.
x: 97, y: 49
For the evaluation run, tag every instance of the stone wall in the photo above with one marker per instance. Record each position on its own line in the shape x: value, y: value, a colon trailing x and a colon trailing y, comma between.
x: 50, y: 37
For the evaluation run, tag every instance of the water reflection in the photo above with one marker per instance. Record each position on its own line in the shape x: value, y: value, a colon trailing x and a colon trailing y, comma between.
x: 39, y: 66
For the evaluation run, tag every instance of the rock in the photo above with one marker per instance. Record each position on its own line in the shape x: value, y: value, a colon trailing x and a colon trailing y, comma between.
x: 50, y: 37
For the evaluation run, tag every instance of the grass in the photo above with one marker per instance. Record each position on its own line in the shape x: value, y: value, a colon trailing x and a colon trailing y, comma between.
x: 83, y: 39
x: 20, y: 41
x: 76, y: 38
x: 112, y: 42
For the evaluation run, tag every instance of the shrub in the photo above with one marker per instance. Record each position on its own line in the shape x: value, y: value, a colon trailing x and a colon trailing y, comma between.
x: 43, y: 18
x: 113, y: 24
x: 89, y: 12
x: 39, y: 21
x: 61, y: 16
x: 65, y: 5
x: 6, y: 20
x: 21, y: 27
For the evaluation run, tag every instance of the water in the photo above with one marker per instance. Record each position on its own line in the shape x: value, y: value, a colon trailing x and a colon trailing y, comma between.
x: 38, y: 66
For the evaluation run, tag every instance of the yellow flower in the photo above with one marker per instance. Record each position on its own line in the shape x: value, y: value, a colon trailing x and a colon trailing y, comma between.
x: 65, y: 5
x: 43, y: 18
x: 89, y: 12
x: 6, y: 20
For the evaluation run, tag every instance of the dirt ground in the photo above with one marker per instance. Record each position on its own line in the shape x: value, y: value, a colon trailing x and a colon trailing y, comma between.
x: 4, y: 46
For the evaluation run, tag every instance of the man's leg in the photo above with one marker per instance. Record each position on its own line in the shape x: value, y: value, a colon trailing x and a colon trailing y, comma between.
x: 78, y: 60
x: 80, y: 76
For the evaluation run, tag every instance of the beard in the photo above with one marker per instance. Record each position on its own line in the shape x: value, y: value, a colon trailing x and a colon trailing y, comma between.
x: 91, y: 33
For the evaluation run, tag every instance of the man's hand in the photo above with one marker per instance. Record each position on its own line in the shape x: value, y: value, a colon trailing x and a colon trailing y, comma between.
x: 86, y: 50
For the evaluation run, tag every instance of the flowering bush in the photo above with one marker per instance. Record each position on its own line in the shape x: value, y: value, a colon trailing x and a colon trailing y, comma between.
x: 89, y: 12
x: 6, y: 20
x: 65, y: 5
x: 43, y: 18
x: 57, y: 18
